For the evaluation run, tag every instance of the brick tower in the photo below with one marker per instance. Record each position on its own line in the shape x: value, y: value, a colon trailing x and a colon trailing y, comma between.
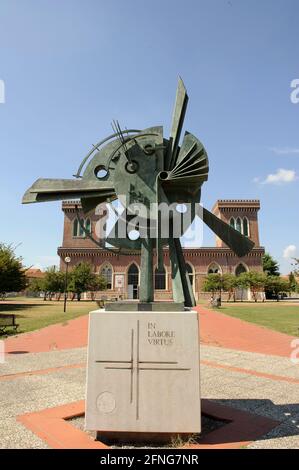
x: 240, y: 214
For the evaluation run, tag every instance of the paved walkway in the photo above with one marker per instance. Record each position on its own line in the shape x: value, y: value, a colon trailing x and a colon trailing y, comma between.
x: 70, y: 334
x: 243, y: 366
x: 216, y: 329
x: 265, y: 385
x: 222, y: 330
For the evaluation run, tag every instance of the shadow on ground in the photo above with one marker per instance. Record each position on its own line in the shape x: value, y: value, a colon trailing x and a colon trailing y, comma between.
x: 286, y: 415
x: 11, y: 308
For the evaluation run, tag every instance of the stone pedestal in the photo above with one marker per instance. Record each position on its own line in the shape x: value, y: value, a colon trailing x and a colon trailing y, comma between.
x: 143, y: 372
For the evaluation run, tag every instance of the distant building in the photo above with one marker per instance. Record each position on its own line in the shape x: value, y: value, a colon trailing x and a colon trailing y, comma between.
x: 122, y: 270
x: 34, y: 273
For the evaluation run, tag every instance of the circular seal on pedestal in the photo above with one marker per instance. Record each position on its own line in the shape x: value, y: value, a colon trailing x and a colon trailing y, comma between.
x: 106, y: 402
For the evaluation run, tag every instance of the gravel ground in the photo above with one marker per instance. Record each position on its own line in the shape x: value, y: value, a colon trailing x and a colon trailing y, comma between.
x: 276, y: 399
x: 207, y: 424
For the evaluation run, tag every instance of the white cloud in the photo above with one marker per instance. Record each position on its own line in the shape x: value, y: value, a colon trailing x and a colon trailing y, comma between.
x: 285, y: 150
x: 256, y: 179
x: 281, y: 176
x: 289, y: 251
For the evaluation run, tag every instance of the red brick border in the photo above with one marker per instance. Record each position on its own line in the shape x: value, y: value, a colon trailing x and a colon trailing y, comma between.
x: 256, y: 373
x: 17, y: 375
x: 51, y: 426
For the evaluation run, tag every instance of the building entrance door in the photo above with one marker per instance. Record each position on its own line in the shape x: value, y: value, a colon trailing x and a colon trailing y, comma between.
x: 132, y: 291
x: 133, y: 281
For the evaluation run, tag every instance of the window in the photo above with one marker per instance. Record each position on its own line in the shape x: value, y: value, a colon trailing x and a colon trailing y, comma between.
x: 106, y: 273
x: 88, y: 225
x: 160, y: 279
x: 75, y: 228
x: 214, y: 268
x: 239, y: 225
x: 245, y: 227
x: 81, y: 231
x: 232, y: 223
x: 133, y: 275
x: 190, y: 272
x: 240, y: 269
x: 78, y: 230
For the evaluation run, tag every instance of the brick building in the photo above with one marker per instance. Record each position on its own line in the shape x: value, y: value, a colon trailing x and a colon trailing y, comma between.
x: 122, y: 270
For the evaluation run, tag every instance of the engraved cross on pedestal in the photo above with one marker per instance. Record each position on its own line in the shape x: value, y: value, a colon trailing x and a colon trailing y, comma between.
x: 135, y: 365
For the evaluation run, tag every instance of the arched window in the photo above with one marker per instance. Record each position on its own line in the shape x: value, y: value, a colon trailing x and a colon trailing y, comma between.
x: 239, y: 225
x: 245, y: 227
x: 81, y: 231
x: 160, y: 279
x: 214, y: 268
x: 106, y: 273
x: 240, y: 269
x: 88, y: 225
x: 75, y: 227
x: 232, y: 223
x: 78, y: 230
x: 133, y: 275
x: 190, y: 272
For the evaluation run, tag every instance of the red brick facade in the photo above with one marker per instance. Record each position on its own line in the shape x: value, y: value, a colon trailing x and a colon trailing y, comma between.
x: 200, y: 260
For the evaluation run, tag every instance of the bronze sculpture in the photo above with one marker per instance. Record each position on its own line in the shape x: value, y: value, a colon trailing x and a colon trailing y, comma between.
x: 144, y: 168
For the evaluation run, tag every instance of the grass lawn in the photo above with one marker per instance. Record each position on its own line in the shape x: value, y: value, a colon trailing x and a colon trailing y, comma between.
x: 279, y: 316
x: 33, y: 314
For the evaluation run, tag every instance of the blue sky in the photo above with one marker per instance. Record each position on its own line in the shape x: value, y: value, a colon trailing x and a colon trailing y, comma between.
x: 70, y: 67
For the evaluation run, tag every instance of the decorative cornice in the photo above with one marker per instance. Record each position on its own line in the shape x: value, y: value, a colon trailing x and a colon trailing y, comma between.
x: 69, y: 206
x: 215, y: 252
x: 238, y: 201
x: 229, y: 204
x: 223, y: 204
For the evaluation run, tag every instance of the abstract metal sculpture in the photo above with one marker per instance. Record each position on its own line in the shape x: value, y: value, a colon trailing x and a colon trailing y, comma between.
x: 143, y: 167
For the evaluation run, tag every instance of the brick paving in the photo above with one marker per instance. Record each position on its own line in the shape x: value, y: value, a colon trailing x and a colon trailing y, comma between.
x: 216, y: 329
x: 243, y: 366
x: 63, y: 382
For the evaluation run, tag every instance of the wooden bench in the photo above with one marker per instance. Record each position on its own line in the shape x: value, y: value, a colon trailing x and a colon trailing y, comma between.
x: 7, y: 321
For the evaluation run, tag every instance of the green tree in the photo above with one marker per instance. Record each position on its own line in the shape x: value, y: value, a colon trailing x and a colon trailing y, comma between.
x: 83, y: 279
x: 230, y: 284
x: 12, y: 272
x: 96, y: 284
x: 270, y: 265
x: 296, y: 264
x: 241, y: 282
x: 277, y: 286
x: 53, y: 282
x: 36, y: 286
x: 254, y: 280
x: 212, y: 283
x: 219, y: 283
x: 293, y: 283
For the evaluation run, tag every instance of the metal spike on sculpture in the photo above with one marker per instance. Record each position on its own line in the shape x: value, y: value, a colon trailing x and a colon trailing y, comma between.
x: 146, y: 168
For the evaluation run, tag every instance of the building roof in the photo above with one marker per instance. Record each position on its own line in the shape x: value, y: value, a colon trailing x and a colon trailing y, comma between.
x: 34, y: 273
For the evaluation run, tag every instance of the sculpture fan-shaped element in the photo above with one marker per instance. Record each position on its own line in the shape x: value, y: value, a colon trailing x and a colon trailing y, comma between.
x: 192, y: 164
x: 146, y: 168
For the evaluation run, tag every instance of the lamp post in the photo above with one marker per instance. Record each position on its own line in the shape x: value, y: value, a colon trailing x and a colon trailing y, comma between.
x: 67, y: 261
